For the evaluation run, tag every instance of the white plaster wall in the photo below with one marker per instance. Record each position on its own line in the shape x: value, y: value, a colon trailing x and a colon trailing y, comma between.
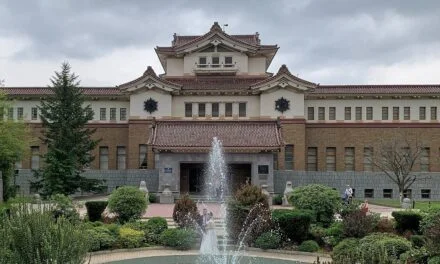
x: 174, y: 67
x: 377, y: 105
x: 240, y: 60
x: 257, y: 65
x: 267, y: 103
x: 252, y: 104
x: 137, y: 104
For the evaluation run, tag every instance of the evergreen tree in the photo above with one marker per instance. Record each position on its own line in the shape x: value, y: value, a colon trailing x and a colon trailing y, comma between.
x: 68, y: 141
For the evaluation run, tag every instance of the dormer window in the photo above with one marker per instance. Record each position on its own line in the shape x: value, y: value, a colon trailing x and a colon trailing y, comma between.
x: 228, y: 61
x: 202, y: 62
x: 215, y: 62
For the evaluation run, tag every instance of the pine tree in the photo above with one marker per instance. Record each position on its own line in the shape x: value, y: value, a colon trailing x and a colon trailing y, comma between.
x: 64, y: 118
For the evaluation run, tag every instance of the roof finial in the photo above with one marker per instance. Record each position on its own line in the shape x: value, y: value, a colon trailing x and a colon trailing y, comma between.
x: 216, y: 27
x: 283, y: 69
x: 150, y: 71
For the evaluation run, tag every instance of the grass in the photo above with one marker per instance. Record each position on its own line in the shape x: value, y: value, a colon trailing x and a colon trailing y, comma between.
x: 396, y: 204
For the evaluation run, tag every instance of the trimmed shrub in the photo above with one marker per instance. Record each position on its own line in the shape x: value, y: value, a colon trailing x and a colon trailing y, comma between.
x: 434, y: 260
x: 100, y: 238
x: 185, y: 213
x: 407, y: 220
x: 154, y: 228
x: 309, y: 246
x: 357, y: 224
x: 268, y: 240
x: 152, y: 198
x: 417, y: 241
x: 385, y: 225
x: 128, y: 203
x: 95, y: 209
x: 382, y: 248
x: 322, y: 200
x: 248, y: 211
x: 182, y: 239
x: 346, y: 252
x: 130, y: 238
x: 278, y: 199
x: 294, y: 224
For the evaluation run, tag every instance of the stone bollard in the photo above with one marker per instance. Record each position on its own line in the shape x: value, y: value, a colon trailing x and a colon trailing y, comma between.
x: 266, y: 192
x: 406, y: 203
x: 166, y: 197
x: 287, y: 192
x: 143, y: 188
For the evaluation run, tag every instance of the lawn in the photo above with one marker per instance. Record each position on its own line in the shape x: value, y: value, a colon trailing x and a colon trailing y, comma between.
x: 395, y: 203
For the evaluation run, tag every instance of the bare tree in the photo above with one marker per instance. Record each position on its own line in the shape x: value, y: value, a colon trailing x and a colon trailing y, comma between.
x: 397, y: 158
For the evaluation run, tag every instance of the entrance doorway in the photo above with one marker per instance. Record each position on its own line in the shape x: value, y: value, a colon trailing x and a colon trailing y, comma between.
x: 239, y: 174
x: 191, y: 178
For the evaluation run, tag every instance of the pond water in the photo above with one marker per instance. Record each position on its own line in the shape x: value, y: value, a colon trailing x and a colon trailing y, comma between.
x: 194, y: 259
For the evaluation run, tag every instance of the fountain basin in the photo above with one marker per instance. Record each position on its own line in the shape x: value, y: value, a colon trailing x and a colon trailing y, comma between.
x: 195, y: 259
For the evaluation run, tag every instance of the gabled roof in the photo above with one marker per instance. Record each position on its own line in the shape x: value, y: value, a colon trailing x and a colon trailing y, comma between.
x: 283, y: 79
x: 377, y: 89
x: 89, y: 91
x: 218, y: 83
x: 149, y: 80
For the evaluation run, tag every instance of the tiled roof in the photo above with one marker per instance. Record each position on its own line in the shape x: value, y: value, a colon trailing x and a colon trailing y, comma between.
x: 175, y: 135
x: 47, y: 91
x: 216, y: 82
x: 182, y: 40
x: 377, y: 89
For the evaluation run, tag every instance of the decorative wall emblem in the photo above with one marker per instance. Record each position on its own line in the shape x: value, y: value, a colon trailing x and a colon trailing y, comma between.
x: 282, y: 105
x: 150, y: 105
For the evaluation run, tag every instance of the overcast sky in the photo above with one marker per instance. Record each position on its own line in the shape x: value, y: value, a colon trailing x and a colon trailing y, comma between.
x: 323, y: 41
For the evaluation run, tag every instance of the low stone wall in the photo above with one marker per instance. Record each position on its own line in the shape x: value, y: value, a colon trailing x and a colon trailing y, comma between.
x: 112, y: 179
x: 359, y: 181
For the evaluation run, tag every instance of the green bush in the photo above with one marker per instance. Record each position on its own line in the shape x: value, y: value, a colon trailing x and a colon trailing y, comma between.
x: 136, y: 225
x: 428, y: 217
x: 250, y: 209
x: 268, y: 240
x: 182, y: 239
x: 152, y: 198
x: 130, y: 238
x: 294, y: 224
x: 407, y: 220
x: 64, y: 207
x: 128, y: 203
x: 323, y: 200
x: 100, y: 238
x: 317, y: 232
x: 382, y: 248
x: 415, y: 256
x: 95, y: 209
x: 385, y: 225
x: 309, y: 246
x: 434, y: 260
x: 346, y: 251
x: 417, y: 241
x: 432, y: 234
x: 334, y: 234
x: 278, y: 199
x: 154, y: 228
x: 185, y: 212
x: 357, y: 224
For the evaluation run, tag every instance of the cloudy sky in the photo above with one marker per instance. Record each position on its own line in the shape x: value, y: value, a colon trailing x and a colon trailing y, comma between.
x: 323, y: 41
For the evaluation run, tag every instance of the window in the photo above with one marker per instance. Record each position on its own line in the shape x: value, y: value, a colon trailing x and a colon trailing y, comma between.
x: 103, y: 158
x: 143, y: 156
x: 102, y: 114
x: 188, y: 110
x: 228, y: 109
x: 275, y: 160
x: 202, y: 62
x: 215, y: 62
x: 11, y: 113
x: 426, y: 193
x: 312, y: 159
x: 358, y: 113
x: 347, y: 113
x: 368, y: 156
x: 123, y: 114
x: 369, y: 193
x: 406, y: 113
x: 332, y: 113
x: 113, y: 114
x: 407, y: 193
x: 331, y: 159
x: 424, y: 160
x: 35, y: 157
x: 311, y: 113
x: 228, y: 61
x: 422, y: 113
x: 369, y: 113
x: 20, y: 113
x: 321, y: 113
x: 263, y: 169
x: 121, y: 158
x: 384, y: 113
x: 242, y: 109
x: 202, y: 110
x: 433, y: 113
x: 34, y: 113
x: 288, y: 157
x: 349, y: 159
x: 215, y: 109
x: 396, y: 114
x: 387, y: 193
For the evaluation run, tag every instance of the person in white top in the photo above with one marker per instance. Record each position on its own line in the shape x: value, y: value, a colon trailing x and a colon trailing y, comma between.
x: 348, y: 195
x: 209, y: 244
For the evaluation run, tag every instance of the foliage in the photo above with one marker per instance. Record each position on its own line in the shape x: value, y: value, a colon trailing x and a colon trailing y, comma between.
x: 432, y: 234
x: 101, y: 238
x: 35, y: 237
x: 128, y: 203
x: 95, y: 209
x: 309, y: 246
x: 334, y: 234
x: 385, y: 225
x: 268, y: 240
x: 428, y: 217
x: 417, y: 241
x: 185, y: 212
x: 14, y: 140
x: 152, y: 198
x: 434, y: 260
x: 323, y: 200
x: 358, y: 224
x: 248, y: 213
x: 346, y: 252
x: 182, y: 239
x: 130, y: 238
x: 294, y: 224
x: 382, y: 248
x: 64, y: 118
x: 64, y: 207
x: 318, y: 233
x: 415, y: 256
x: 407, y: 220
x: 278, y: 199
x: 154, y: 228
